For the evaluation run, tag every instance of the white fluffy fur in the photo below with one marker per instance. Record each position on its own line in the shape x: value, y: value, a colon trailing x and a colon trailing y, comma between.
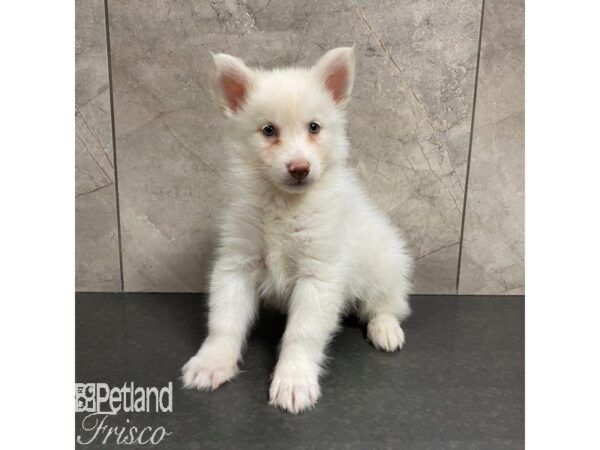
x: 315, y: 250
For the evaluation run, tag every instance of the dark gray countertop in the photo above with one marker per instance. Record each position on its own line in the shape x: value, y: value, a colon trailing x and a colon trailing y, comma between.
x: 458, y: 382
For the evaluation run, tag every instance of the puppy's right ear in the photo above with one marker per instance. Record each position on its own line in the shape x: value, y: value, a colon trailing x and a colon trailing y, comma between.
x: 336, y: 71
x: 233, y: 82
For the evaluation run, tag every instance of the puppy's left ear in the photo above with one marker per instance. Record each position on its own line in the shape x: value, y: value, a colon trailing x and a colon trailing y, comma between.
x: 336, y: 71
x: 233, y: 82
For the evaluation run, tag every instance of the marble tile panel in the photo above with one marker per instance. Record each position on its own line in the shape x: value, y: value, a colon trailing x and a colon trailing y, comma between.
x: 96, y: 242
x: 493, y: 245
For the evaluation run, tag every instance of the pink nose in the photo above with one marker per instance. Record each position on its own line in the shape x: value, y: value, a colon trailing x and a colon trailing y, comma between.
x: 299, y: 169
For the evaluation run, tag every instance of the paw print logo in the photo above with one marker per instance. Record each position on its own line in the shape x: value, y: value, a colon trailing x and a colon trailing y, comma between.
x: 85, y: 397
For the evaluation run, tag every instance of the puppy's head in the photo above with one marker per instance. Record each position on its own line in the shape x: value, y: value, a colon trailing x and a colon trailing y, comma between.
x: 287, y: 125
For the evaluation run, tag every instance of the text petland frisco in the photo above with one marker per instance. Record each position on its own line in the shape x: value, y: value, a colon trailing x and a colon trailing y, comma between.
x: 100, y: 402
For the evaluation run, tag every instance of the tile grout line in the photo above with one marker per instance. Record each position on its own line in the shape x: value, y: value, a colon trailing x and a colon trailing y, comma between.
x: 114, y: 141
x: 464, y: 211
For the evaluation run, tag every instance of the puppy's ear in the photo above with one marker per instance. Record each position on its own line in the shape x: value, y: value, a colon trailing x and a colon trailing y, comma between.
x: 233, y: 82
x: 336, y: 71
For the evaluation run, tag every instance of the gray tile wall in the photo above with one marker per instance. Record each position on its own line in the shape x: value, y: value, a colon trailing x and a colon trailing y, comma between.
x: 411, y: 118
x: 492, y: 259
x: 96, y: 242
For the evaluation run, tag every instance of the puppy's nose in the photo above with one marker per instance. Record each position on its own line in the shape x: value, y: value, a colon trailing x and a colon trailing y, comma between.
x: 299, y: 169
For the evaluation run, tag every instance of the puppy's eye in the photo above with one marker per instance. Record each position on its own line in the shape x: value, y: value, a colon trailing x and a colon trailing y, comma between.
x: 314, y: 127
x: 269, y: 130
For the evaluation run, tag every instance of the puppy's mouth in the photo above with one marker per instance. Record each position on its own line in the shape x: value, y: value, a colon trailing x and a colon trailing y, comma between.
x: 296, y: 185
x: 293, y: 183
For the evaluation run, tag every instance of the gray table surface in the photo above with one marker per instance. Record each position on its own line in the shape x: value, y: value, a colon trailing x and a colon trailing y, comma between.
x: 458, y: 382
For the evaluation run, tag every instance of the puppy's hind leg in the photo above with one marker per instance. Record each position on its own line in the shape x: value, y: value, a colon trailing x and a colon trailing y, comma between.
x: 385, y: 333
x: 384, y: 308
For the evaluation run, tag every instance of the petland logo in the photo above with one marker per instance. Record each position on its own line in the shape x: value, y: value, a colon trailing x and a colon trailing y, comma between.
x: 100, y: 401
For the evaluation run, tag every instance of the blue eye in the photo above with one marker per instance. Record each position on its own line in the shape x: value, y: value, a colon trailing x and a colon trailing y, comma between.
x: 269, y: 130
x: 314, y: 127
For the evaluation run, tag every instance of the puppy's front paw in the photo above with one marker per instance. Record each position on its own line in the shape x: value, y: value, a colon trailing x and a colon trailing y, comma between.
x: 385, y: 333
x: 208, y: 370
x: 294, y: 393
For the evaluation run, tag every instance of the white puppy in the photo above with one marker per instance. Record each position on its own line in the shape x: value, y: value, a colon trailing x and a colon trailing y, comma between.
x: 299, y: 231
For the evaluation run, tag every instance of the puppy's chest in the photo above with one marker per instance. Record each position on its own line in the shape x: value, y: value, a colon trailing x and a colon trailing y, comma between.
x: 296, y: 242
x: 288, y: 237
